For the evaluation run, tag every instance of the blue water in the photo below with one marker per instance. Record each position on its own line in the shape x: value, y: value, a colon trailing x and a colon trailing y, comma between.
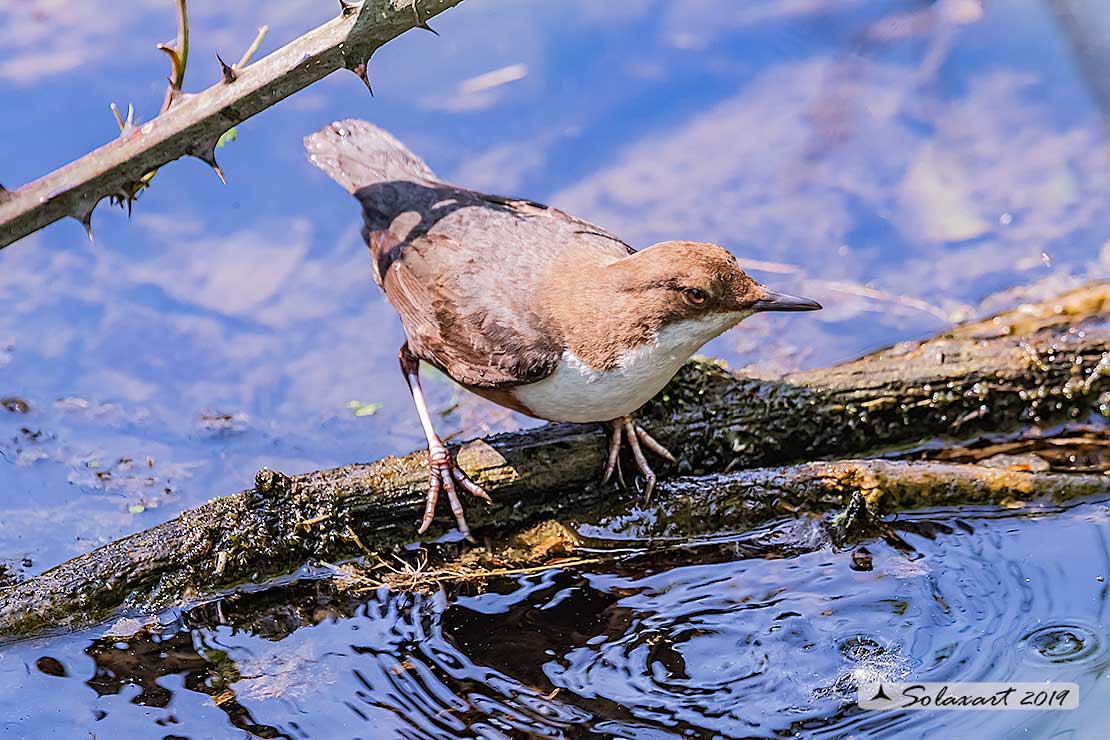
x: 747, y: 647
x: 905, y: 163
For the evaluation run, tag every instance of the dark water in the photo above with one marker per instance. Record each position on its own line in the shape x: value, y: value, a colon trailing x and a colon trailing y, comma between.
x: 906, y: 163
x: 749, y: 647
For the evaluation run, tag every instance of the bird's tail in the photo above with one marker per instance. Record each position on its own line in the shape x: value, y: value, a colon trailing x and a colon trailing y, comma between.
x: 355, y: 154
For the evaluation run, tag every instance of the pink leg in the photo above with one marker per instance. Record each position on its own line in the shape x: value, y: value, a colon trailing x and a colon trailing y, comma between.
x: 652, y: 444
x: 627, y: 429
x: 614, y: 452
x: 443, y: 473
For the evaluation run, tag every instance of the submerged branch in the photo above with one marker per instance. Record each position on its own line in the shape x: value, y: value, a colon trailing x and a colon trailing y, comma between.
x: 1039, y: 364
x: 190, y: 125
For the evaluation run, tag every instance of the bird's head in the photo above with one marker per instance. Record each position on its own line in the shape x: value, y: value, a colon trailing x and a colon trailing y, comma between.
x: 699, y: 286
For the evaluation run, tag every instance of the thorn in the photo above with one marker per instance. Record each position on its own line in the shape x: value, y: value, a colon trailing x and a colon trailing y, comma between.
x: 348, y: 7
x: 249, y: 53
x: 118, y: 198
x: 209, y: 159
x: 86, y: 221
x: 211, y: 162
x: 175, y: 62
x: 229, y: 74
x: 360, y: 70
x: 116, y: 113
x: 419, y: 23
x: 124, y: 123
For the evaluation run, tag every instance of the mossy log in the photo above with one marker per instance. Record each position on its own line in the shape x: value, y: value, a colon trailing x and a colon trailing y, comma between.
x: 1039, y: 364
x: 745, y: 513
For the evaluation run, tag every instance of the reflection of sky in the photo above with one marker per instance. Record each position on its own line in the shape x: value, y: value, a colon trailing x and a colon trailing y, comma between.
x: 899, y: 161
x: 727, y: 646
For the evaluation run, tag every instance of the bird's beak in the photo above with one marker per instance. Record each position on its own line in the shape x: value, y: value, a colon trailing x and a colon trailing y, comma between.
x: 772, y: 301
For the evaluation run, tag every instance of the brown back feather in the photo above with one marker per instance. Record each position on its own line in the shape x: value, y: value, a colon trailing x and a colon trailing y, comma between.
x: 463, y: 269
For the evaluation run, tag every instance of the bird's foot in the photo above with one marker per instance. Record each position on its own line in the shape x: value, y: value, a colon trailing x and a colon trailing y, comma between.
x: 445, y: 475
x: 626, y: 428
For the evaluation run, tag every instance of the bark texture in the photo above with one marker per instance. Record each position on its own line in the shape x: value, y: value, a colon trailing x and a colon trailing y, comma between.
x: 1037, y: 365
x: 742, y: 514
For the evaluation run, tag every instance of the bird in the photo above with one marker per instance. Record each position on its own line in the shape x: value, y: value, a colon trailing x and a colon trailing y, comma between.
x: 528, y: 306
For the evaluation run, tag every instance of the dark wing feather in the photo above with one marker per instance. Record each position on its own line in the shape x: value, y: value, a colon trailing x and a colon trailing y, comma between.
x: 441, y: 254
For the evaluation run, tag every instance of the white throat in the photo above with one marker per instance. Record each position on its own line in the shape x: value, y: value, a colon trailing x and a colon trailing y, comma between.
x: 577, y: 392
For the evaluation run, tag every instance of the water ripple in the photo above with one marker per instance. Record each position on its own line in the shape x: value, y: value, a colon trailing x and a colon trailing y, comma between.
x: 745, y: 648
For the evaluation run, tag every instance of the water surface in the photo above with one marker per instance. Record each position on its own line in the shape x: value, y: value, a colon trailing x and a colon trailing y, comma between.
x: 752, y: 646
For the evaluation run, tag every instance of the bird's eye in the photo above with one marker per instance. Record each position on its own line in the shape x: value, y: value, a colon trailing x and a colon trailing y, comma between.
x: 694, y: 296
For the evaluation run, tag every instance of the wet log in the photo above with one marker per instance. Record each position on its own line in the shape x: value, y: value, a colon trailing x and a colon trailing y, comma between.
x: 746, y: 513
x: 1040, y: 364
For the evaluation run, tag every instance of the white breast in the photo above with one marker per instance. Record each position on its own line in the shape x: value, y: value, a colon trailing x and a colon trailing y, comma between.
x: 577, y: 392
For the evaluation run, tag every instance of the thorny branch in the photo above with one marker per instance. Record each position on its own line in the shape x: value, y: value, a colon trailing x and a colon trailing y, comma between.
x: 191, y: 124
x: 231, y: 73
x: 179, y: 58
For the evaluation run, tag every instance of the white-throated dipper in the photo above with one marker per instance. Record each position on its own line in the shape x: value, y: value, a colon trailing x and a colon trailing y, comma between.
x: 528, y: 306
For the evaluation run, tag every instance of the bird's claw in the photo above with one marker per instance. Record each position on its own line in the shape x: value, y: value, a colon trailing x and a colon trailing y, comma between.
x: 626, y: 428
x: 444, y: 475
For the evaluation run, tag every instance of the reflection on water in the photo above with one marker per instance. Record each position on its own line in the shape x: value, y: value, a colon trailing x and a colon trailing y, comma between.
x: 754, y: 647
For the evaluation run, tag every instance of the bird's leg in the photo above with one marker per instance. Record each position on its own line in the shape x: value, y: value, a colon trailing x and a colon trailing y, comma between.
x: 443, y: 473
x: 626, y: 428
x: 653, y: 444
x: 614, y: 451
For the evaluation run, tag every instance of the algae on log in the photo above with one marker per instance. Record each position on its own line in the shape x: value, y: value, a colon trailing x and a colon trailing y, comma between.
x: 731, y: 502
x: 746, y: 513
x: 1041, y: 364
